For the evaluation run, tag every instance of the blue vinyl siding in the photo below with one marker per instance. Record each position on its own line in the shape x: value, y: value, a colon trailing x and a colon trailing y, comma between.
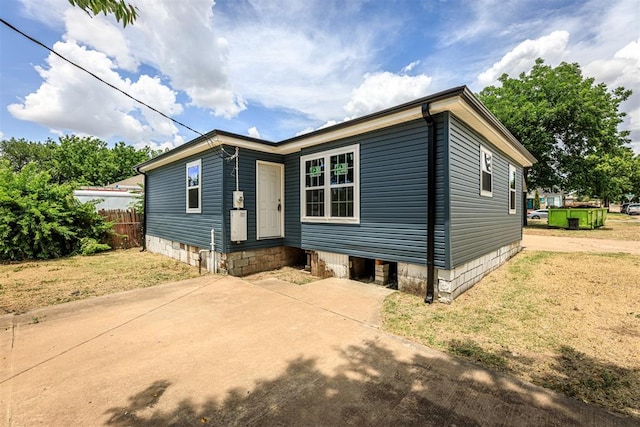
x: 478, y: 224
x: 247, y: 184
x: 292, y: 200
x: 442, y: 193
x: 393, y: 199
x: 166, y: 203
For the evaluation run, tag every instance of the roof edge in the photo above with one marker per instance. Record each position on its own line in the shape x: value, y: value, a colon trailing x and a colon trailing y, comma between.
x: 380, y: 119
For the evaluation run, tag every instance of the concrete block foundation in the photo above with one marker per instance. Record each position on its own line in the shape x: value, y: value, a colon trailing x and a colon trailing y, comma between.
x: 452, y: 283
x: 412, y: 278
x: 239, y: 263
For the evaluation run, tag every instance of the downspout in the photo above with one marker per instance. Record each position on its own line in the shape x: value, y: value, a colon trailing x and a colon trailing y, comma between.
x: 144, y: 215
x: 431, y: 201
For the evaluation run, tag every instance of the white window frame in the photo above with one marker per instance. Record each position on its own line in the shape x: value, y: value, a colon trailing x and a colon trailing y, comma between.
x: 326, y: 155
x: 199, y: 186
x: 484, y: 151
x: 513, y: 172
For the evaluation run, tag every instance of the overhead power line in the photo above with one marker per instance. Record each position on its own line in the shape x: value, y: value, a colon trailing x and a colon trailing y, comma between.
x: 39, y: 43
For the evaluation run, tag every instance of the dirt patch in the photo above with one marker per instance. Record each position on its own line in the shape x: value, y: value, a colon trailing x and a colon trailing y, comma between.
x: 566, y: 321
x: 33, y: 284
x: 296, y: 274
x: 578, y: 244
x: 623, y: 227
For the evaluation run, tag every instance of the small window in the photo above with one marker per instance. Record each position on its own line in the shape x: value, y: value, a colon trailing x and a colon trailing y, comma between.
x: 330, y: 188
x: 486, y: 172
x: 512, y: 190
x: 194, y: 183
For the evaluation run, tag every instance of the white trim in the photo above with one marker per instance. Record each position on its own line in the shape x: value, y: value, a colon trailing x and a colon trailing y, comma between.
x: 484, y: 150
x: 327, y: 218
x: 281, y: 167
x: 478, y: 123
x: 199, y: 187
x: 170, y: 158
x: 512, y: 169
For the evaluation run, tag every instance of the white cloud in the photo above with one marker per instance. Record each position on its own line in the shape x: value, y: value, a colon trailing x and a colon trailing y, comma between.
x: 283, y: 55
x: 102, y: 35
x: 178, y: 38
x: 253, y: 132
x: 382, y: 90
x: 175, y: 38
x: 71, y: 100
x: 522, y: 57
x: 279, y: 67
x: 623, y: 69
x: 1, y: 135
x: 302, y: 57
x: 410, y: 67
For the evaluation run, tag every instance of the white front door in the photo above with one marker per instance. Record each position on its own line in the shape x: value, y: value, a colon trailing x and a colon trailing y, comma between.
x: 270, y: 203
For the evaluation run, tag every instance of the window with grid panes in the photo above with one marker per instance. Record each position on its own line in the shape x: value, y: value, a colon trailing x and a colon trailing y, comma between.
x: 330, y: 185
x: 512, y: 189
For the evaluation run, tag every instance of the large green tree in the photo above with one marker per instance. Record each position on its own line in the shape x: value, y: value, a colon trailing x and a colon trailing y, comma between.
x: 81, y: 160
x: 20, y: 152
x: 634, y: 187
x: 564, y: 119
x: 609, y: 175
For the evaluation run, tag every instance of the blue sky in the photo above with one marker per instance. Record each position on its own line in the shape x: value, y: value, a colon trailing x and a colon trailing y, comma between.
x: 275, y: 69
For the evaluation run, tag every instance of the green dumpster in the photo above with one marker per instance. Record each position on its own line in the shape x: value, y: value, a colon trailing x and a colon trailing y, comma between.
x: 577, y: 218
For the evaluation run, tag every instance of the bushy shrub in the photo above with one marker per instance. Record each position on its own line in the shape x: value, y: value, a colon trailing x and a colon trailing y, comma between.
x: 90, y: 246
x: 40, y: 219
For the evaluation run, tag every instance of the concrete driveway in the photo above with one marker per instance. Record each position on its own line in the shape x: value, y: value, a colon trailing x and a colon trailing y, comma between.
x: 222, y: 351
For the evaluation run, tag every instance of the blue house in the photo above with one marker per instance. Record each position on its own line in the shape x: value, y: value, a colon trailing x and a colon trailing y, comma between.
x: 429, y: 192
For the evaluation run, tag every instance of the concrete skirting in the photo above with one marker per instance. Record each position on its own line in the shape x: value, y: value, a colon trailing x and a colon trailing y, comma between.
x: 239, y: 263
x: 180, y: 251
x: 452, y: 283
x: 412, y: 278
x: 242, y: 263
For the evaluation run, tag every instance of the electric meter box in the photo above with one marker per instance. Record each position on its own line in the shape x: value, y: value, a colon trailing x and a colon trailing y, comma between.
x: 238, y: 225
x: 238, y: 199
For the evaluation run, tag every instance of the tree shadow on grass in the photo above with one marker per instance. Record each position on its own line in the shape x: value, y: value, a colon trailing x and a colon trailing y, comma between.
x: 577, y: 375
x: 573, y: 374
x: 371, y: 386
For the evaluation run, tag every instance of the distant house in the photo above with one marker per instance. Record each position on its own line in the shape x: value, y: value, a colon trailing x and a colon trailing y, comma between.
x: 117, y: 196
x: 431, y: 189
x: 548, y: 198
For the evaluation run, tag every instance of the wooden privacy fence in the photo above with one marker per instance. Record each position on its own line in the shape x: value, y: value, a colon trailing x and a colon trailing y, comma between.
x: 127, y: 227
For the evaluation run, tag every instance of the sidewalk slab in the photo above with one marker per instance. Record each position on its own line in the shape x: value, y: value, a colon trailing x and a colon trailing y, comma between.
x: 358, y: 301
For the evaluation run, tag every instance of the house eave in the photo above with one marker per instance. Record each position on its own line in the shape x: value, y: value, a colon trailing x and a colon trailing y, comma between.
x: 477, y: 116
x: 460, y: 101
x: 203, y: 143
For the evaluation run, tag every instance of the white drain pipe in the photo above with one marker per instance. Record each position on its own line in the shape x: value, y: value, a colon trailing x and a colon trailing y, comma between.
x: 214, y: 263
